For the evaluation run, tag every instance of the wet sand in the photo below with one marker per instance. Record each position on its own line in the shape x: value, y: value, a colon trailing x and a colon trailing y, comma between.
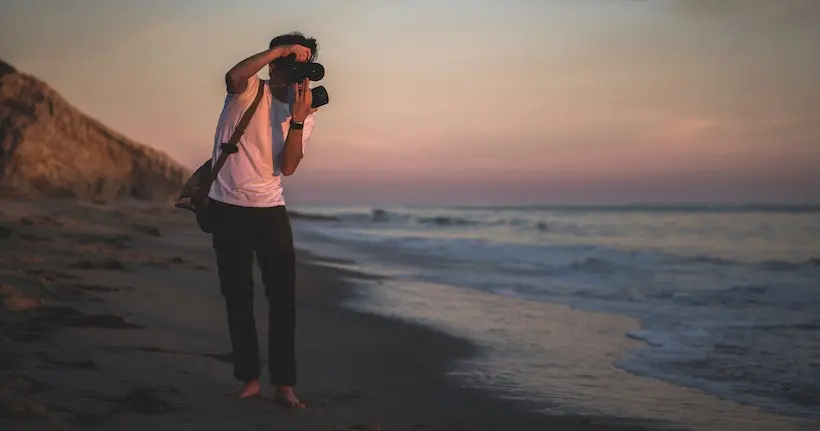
x: 111, y: 318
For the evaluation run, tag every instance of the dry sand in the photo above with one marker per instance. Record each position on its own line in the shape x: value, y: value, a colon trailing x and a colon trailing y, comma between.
x: 111, y: 318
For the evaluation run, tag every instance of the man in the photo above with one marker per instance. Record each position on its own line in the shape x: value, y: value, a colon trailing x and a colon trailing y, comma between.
x: 249, y: 210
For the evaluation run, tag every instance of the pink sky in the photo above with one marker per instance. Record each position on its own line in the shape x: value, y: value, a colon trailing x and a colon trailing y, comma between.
x: 587, y: 101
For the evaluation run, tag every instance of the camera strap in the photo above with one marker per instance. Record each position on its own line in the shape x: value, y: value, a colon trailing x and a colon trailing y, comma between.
x: 232, y: 145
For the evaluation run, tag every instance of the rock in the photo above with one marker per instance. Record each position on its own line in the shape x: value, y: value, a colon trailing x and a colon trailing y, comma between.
x: 48, y: 149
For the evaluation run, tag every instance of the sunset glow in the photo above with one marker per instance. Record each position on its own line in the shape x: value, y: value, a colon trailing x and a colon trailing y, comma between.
x: 575, y: 101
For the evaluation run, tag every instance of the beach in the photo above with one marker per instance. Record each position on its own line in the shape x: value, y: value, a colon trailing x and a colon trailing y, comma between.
x: 112, y: 319
x: 630, y: 241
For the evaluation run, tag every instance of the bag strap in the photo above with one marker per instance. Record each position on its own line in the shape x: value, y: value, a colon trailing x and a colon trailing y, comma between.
x: 231, y: 146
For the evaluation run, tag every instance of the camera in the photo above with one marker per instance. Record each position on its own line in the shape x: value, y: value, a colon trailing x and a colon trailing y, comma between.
x: 295, y: 72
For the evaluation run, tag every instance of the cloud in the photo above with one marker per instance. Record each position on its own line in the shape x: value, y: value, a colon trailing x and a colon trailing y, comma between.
x: 779, y: 10
x: 687, y: 133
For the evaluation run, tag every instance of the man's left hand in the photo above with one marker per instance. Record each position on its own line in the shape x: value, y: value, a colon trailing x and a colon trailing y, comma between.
x: 303, y: 101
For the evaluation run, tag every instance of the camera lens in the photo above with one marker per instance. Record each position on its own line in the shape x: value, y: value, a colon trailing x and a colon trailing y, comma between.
x: 320, y: 96
x: 314, y: 71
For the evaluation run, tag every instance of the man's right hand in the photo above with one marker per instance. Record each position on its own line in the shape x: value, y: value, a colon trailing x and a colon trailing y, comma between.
x: 302, y: 53
x: 237, y: 78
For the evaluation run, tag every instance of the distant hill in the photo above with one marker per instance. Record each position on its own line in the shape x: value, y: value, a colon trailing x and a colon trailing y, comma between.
x: 48, y: 148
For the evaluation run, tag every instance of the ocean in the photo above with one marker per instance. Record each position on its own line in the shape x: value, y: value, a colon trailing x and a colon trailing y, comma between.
x: 695, y: 315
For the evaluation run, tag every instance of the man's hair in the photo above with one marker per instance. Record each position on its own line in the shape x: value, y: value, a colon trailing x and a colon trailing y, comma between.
x: 297, y: 38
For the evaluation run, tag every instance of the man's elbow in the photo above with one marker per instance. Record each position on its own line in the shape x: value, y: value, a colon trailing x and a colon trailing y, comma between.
x: 289, y: 169
x: 235, y: 82
x: 289, y: 166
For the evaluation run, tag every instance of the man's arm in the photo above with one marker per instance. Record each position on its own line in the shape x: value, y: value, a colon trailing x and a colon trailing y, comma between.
x: 293, y: 152
x: 295, y: 144
x: 237, y: 78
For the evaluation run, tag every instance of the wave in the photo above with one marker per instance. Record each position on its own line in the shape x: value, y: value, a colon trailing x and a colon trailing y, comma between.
x: 805, y: 326
x: 780, y: 296
x: 562, y: 259
x: 780, y: 265
x: 711, y: 260
x: 650, y: 338
x: 593, y: 264
x: 531, y: 236
x: 771, y: 265
x: 381, y: 216
x: 766, y: 265
x: 312, y: 216
x: 446, y: 221
x: 537, y: 226
x: 378, y: 214
x: 649, y: 208
x: 626, y: 260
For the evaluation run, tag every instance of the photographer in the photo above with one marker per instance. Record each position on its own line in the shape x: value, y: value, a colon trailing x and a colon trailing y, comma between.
x: 248, y: 206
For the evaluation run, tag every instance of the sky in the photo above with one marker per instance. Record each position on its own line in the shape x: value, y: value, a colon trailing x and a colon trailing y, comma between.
x: 468, y: 101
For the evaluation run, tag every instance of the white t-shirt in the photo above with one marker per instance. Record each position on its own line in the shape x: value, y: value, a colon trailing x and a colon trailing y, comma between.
x: 250, y: 178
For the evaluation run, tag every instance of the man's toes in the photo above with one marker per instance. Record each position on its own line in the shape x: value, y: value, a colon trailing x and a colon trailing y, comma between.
x: 290, y: 403
x: 249, y: 390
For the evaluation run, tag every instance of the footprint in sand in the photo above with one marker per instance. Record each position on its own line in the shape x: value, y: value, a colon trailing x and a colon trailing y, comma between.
x: 37, y: 238
x: 118, y: 241
x: 92, y: 288
x: 14, y: 401
x: 15, y: 301
x: 50, y: 275
x: 107, y: 264
x: 58, y: 363
x: 147, y: 401
x: 41, y: 220
x: 147, y: 230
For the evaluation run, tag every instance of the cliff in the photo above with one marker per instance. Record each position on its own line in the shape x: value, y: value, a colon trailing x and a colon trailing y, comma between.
x: 48, y: 148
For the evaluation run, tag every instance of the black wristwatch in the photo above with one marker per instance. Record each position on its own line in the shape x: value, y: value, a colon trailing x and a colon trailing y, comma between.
x: 296, y: 125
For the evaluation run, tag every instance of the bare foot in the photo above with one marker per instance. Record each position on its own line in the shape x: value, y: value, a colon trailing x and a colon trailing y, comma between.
x: 286, y: 397
x: 251, y: 389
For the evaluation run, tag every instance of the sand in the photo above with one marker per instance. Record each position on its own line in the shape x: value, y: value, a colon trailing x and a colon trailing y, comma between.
x: 111, y: 318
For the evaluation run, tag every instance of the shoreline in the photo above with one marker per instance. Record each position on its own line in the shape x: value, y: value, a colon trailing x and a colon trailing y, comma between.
x: 112, y: 319
x: 589, y: 372
x: 444, y: 350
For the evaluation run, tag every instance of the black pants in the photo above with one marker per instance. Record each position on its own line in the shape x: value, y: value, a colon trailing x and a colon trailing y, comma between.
x: 239, y: 233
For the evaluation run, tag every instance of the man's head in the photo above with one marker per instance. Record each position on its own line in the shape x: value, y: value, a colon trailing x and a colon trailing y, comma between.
x: 294, y: 38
